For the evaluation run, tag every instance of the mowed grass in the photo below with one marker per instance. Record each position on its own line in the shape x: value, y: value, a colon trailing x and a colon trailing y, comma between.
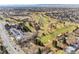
x: 49, y: 37
x: 30, y: 27
x: 46, y: 39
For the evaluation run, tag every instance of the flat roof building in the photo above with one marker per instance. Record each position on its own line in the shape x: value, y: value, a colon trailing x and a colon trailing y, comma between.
x: 17, y: 33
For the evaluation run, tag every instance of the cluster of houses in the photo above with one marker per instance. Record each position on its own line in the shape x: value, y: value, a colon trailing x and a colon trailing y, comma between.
x: 18, y: 34
x: 69, y: 42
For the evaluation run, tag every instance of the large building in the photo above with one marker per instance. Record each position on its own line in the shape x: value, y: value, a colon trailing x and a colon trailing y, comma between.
x: 16, y: 33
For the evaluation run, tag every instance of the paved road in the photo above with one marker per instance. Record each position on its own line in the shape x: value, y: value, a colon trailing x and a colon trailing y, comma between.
x: 11, y: 46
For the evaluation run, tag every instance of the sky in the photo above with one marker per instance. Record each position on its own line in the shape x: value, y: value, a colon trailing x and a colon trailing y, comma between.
x: 5, y: 2
x: 34, y: 3
x: 10, y: 2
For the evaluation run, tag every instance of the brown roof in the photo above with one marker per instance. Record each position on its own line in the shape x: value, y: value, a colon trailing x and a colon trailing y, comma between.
x: 77, y: 31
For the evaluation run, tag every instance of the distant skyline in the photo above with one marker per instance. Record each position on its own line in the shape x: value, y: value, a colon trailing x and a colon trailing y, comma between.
x: 43, y: 5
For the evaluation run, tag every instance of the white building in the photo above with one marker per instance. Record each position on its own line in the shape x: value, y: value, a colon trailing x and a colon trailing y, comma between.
x: 16, y: 33
x: 70, y: 49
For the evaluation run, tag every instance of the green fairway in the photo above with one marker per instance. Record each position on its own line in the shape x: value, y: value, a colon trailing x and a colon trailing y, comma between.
x: 44, y: 20
x: 50, y: 37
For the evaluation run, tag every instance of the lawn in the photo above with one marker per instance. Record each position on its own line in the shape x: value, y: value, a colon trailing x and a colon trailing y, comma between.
x: 49, y: 37
x: 46, y: 39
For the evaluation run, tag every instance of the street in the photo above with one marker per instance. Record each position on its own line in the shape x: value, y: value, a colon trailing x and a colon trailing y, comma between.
x: 11, y: 46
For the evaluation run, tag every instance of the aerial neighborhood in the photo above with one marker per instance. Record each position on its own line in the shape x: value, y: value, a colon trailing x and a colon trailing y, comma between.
x: 39, y: 30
